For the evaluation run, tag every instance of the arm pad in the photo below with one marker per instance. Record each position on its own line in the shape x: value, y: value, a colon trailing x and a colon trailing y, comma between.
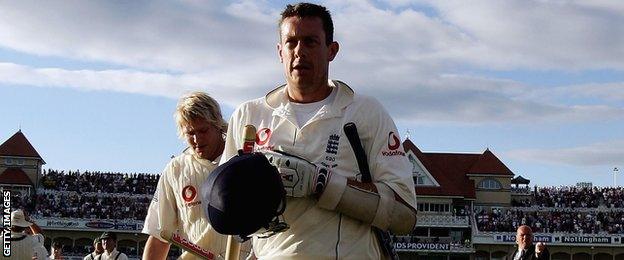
x: 380, y: 209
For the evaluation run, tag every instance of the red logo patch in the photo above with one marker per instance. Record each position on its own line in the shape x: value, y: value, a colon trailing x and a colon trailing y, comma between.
x: 263, y: 136
x: 189, y: 193
x: 393, y: 141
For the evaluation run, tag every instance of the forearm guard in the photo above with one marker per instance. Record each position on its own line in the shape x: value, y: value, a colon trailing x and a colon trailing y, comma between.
x: 378, y: 208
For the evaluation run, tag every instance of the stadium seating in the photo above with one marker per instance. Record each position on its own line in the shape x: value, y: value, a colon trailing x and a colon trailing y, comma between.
x: 93, y: 195
x: 566, y: 209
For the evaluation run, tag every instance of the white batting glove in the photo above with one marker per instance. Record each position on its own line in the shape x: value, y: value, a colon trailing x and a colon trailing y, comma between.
x: 300, y: 177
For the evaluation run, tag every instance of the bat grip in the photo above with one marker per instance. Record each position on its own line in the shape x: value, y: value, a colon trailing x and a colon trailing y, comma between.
x: 358, y: 150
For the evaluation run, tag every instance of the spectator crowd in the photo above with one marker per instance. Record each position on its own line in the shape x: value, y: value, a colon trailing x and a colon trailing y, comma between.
x: 570, y: 209
x: 117, y: 196
x: 90, y: 195
x: 100, y: 182
x: 574, y: 197
x: 73, y: 205
x: 568, y: 221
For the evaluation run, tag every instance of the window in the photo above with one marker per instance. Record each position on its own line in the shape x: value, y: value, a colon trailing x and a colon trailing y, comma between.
x: 8, y: 161
x: 433, y: 207
x: 419, y: 179
x: 415, y: 168
x: 490, y: 184
x: 413, y: 161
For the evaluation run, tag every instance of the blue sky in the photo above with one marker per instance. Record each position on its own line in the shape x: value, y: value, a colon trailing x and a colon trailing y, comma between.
x: 93, y: 84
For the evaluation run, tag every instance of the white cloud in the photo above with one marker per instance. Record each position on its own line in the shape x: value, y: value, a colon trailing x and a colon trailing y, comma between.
x: 254, y: 11
x: 157, y: 35
x: 611, y: 6
x: 604, y: 153
x: 190, y: 36
x: 224, y: 86
x: 607, y: 91
x: 450, y: 98
x: 565, y: 35
x: 412, y: 62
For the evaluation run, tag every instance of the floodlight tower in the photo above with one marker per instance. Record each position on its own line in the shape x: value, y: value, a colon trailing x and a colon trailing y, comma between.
x: 615, y: 171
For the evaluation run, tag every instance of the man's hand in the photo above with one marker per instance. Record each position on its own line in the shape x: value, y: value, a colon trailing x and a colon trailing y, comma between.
x: 540, y: 247
x: 300, y: 177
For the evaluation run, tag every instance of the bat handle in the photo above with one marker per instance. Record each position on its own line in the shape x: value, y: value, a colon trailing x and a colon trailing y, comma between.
x: 249, y: 138
x: 351, y: 132
x: 232, y: 249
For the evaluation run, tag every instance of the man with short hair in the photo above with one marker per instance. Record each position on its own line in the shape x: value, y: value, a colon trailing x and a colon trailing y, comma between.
x: 97, y: 249
x: 109, y: 243
x: 526, y: 250
x: 23, y: 245
x: 176, y: 205
x: 56, y: 251
x: 331, y: 210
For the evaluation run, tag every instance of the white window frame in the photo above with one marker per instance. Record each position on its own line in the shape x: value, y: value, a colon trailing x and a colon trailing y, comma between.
x: 489, y: 182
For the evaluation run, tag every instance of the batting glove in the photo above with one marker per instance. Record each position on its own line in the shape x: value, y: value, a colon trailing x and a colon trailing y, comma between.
x: 300, y: 177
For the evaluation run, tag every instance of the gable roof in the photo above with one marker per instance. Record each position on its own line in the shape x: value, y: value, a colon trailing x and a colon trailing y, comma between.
x: 488, y: 163
x: 453, y: 182
x: 15, y: 176
x: 451, y: 170
x: 18, y: 145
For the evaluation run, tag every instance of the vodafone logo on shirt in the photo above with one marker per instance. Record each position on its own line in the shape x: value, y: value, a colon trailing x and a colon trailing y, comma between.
x: 262, y: 140
x: 189, y: 193
x: 394, y: 143
x: 263, y: 136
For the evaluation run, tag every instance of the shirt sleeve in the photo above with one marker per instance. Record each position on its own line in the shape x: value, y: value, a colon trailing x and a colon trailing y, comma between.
x: 388, y: 161
x: 162, y: 213
x: 233, y: 137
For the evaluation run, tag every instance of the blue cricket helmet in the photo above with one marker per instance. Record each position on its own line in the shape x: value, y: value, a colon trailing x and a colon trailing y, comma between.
x: 245, y: 196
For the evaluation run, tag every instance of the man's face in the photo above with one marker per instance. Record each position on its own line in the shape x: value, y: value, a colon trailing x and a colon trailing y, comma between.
x: 109, y: 244
x: 304, y: 53
x: 57, y: 252
x: 99, y: 248
x: 204, y: 138
x: 524, y: 237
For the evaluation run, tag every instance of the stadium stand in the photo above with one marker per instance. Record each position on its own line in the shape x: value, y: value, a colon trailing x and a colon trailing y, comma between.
x: 569, y: 220
x: 469, y: 207
x: 91, y: 206
x: 99, y: 182
x: 74, y: 207
x: 574, y: 197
